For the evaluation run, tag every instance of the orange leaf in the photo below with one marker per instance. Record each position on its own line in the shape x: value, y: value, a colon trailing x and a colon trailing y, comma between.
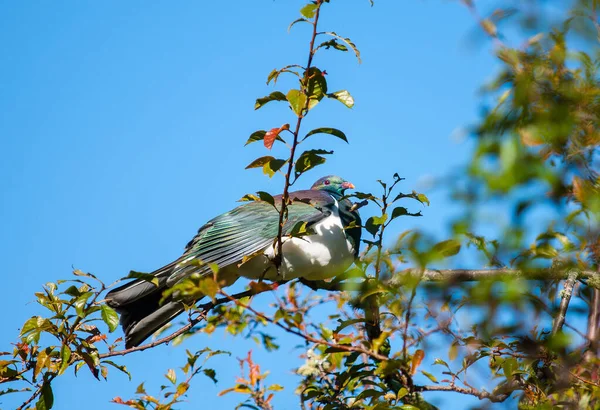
x: 272, y: 134
x: 260, y: 286
x: 416, y: 360
x: 529, y: 138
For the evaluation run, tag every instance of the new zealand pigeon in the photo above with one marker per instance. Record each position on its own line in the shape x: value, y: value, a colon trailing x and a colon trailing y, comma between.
x: 250, y: 231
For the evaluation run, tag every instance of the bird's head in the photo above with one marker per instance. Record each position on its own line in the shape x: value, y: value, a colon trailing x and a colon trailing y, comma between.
x: 332, y: 183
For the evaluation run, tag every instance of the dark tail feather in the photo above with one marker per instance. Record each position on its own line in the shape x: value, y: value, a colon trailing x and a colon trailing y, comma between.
x: 138, y: 303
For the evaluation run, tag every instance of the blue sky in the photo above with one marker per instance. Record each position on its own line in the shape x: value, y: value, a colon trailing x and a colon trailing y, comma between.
x: 122, y: 128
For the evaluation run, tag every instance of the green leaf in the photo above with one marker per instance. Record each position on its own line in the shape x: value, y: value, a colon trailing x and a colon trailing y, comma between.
x: 300, y: 20
x: 430, y: 376
x: 259, y: 162
x: 65, y: 356
x: 208, y: 287
x: 72, y: 291
x: 310, y: 159
x: 331, y: 131
x: 275, y: 387
x: 274, y: 75
x: 274, y: 96
x: 332, y: 43
x: 316, y: 87
x: 422, y: 198
x: 374, y: 222
x: 80, y: 303
x: 122, y: 369
x: 344, y: 97
x: 401, y: 393
x: 447, y: 248
x: 78, y: 272
x: 309, y: 10
x: 249, y: 198
x: 110, y: 317
x: 273, y: 166
x: 400, y: 211
x: 297, y: 101
x: 348, y: 42
x: 31, y: 324
x: 509, y: 366
x: 143, y: 276
x: 46, y: 400
x: 266, y: 197
x: 211, y: 374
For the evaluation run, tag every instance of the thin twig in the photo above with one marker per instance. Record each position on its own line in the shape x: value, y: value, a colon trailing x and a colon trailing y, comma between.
x: 593, y: 333
x: 584, y: 380
x: 307, y: 337
x: 407, y: 319
x: 567, y: 292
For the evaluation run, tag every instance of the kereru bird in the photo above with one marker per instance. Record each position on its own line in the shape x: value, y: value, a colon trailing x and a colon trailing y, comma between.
x: 250, y: 231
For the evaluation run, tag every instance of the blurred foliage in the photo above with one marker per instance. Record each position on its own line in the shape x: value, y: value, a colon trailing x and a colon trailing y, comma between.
x: 391, y: 329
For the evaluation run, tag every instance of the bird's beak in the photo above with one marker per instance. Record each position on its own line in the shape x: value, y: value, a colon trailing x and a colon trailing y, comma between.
x: 347, y: 185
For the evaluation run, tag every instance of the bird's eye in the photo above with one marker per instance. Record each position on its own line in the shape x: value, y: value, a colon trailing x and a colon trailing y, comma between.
x: 326, y: 182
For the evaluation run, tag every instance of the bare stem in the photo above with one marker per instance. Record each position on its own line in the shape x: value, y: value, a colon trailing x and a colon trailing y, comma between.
x: 285, y: 197
x: 593, y: 322
x: 203, y: 308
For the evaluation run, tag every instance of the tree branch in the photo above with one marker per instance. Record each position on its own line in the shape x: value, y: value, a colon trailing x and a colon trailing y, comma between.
x: 466, y: 275
x: 496, y: 398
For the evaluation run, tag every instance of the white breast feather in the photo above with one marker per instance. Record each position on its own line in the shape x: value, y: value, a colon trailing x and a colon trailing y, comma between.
x: 322, y: 255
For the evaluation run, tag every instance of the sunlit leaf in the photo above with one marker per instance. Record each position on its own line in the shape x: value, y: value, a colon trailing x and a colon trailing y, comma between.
x: 310, y: 159
x: 143, y: 276
x: 274, y: 96
x: 348, y: 42
x: 429, y: 376
x: 297, y: 100
x: 374, y: 222
x: 110, y: 317
x: 309, y: 10
x: 344, y: 97
x: 259, y: 162
x: 171, y: 376
x: 270, y: 136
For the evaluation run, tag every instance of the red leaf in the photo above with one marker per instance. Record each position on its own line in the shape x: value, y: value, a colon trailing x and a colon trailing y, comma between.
x: 272, y: 134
